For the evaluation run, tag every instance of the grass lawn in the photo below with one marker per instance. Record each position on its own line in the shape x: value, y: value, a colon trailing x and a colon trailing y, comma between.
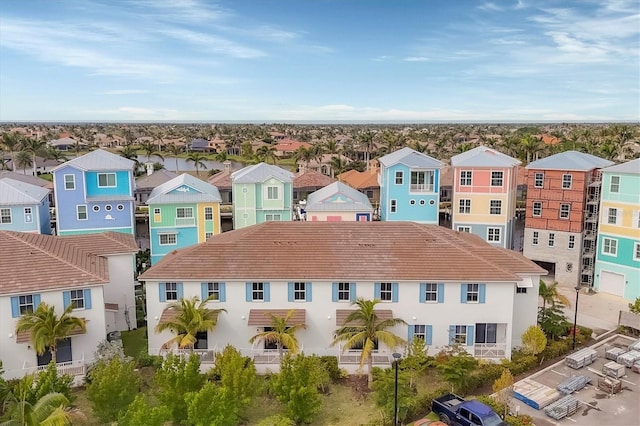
x: 134, y: 342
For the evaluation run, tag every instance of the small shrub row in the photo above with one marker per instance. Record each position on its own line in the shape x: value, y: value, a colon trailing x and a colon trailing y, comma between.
x: 511, y: 420
x: 421, y: 404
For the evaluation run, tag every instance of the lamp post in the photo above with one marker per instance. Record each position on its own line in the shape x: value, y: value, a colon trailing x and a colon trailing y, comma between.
x: 575, y: 317
x: 396, y: 357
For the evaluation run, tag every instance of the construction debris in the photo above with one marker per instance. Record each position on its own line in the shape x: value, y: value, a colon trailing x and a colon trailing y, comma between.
x: 581, y: 358
x: 609, y: 385
x: 573, y: 384
x: 563, y: 407
x: 636, y: 367
x: 613, y: 369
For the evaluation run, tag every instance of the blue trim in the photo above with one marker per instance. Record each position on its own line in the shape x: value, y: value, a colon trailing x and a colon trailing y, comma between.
x: 15, y: 307
x: 452, y: 334
x: 267, y: 293
x: 377, y: 291
x: 394, y: 292
x: 470, y: 335
x: 463, y: 293
x: 66, y: 299
x: 482, y: 291
x: 36, y: 301
x: 334, y: 292
x: 204, y: 291
x: 440, y: 292
x: 307, y: 290
x: 290, y: 287
x: 179, y: 290
x: 223, y: 291
x: 423, y: 292
x: 410, y: 333
x: 87, y: 298
x: 429, y: 335
x: 162, y: 289
x: 352, y: 292
x: 247, y: 291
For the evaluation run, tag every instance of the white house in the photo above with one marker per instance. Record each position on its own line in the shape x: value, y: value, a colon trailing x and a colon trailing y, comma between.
x: 93, y: 272
x: 338, y: 202
x: 447, y: 286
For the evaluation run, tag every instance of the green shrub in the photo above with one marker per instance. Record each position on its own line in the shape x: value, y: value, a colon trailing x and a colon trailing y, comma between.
x: 146, y: 360
x: 522, y: 364
x: 556, y: 348
x: 330, y: 364
x: 421, y: 403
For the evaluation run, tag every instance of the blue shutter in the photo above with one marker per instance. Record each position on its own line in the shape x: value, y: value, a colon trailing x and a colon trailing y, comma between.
x: 423, y: 292
x: 377, y: 290
x: 290, y: 291
x: 247, y: 291
x: 410, y: 334
x: 267, y: 296
x: 334, y: 292
x: 470, y: 335
x: 429, y: 335
x: 463, y: 293
x: 36, y: 301
x: 307, y: 291
x: 66, y: 299
x: 179, y: 290
x: 204, y: 291
x: 163, y: 292
x: 440, y: 292
x: 87, y: 298
x: 223, y: 292
x: 15, y: 307
x: 352, y: 292
x: 482, y: 292
x: 452, y: 334
x: 394, y: 292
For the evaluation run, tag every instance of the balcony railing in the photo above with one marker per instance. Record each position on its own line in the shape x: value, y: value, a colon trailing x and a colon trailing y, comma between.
x: 71, y: 368
x: 207, y: 356
x: 185, y: 221
x: 490, y: 350
x: 421, y: 187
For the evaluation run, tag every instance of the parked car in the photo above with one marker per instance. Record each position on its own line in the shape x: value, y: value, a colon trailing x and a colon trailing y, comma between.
x: 455, y: 411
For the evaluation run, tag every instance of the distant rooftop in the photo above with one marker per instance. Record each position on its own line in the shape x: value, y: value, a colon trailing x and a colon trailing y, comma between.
x: 570, y: 160
x: 483, y: 156
x: 631, y: 167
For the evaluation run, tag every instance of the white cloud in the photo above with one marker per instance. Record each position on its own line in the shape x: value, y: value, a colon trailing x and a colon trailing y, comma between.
x: 489, y: 6
x: 416, y: 59
x: 213, y: 43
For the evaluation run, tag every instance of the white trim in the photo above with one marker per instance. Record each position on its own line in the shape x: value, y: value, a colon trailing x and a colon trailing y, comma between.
x: 526, y: 282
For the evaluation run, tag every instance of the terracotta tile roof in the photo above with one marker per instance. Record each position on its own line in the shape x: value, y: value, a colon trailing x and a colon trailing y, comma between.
x: 35, y: 262
x: 221, y: 180
x: 337, y: 251
x: 360, y: 180
x: 311, y: 179
x: 25, y: 336
x: 446, y: 176
x: 290, y: 145
x: 169, y: 314
x: 259, y: 317
x: 342, y: 314
x: 111, y: 306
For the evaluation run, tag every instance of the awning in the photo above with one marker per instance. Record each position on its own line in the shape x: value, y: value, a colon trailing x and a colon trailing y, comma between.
x: 111, y: 306
x: 259, y: 317
x: 342, y: 314
x: 169, y: 314
x: 525, y: 282
x: 25, y: 336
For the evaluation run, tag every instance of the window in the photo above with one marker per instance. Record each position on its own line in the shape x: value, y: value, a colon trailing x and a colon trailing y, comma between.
x: 566, y: 181
x: 495, y: 207
x: 272, y: 217
x: 420, y: 332
x: 465, y: 206
x: 537, y: 208
x: 386, y: 293
x: 77, y: 299
x: 493, y: 235
x: 28, y: 215
x: 272, y: 193
x: 25, y: 303
x: 96, y: 208
x: 465, y: 177
x: 464, y: 229
x: 168, y: 239
x: 473, y: 293
x: 343, y: 292
x: 299, y: 291
x: 460, y: 334
x: 431, y: 292
x: 610, y: 246
x: 552, y: 239
x: 636, y: 251
x: 614, y: 186
x: 81, y: 212
x: 534, y: 238
x: 399, y: 177
x: 108, y: 207
x: 572, y: 241
x: 394, y: 206
x: 487, y: 332
x: 184, y: 212
x: 564, y: 211
x: 412, y: 202
x: 69, y: 182
x: 496, y: 178
x: 257, y: 291
x: 120, y: 207
x: 422, y: 181
x: 208, y: 235
x: 171, y: 291
x: 5, y: 215
x: 612, y: 216
x: 521, y: 290
x: 106, y: 180
x: 213, y: 290
x: 208, y: 213
x: 369, y: 193
x: 538, y: 180
x: 156, y: 211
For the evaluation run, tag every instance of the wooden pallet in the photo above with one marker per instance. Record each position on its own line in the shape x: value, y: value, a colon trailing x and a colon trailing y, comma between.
x: 534, y: 394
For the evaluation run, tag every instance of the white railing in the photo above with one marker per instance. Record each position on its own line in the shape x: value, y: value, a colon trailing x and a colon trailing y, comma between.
x: 207, y: 356
x: 268, y: 356
x: 185, y: 221
x: 490, y: 350
x: 421, y: 187
x: 71, y: 368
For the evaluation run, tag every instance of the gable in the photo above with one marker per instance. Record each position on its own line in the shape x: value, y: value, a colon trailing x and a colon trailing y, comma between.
x: 184, y: 189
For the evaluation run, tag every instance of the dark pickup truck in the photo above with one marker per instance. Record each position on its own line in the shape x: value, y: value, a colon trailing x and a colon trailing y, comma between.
x: 455, y: 411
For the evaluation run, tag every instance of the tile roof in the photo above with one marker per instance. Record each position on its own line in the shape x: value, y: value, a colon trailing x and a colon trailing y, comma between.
x: 570, y: 160
x: 35, y: 262
x: 98, y: 160
x: 259, y: 317
x: 221, y: 180
x: 350, y: 200
x: 342, y: 251
x: 287, y: 145
x: 446, y: 176
x: 311, y: 179
x: 360, y: 180
x: 261, y: 172
x: 632, y: 167
x: 411, y: 158
x: 14, y: 192
x: 170, y: 192
x: 482, y: 156
x: 155, y: 179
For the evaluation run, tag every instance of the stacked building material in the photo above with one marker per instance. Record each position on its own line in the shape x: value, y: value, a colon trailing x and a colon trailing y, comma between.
x: 629, y: 358
x: 609, y: 385
x: 635, y: 346
x: 613, y: 369
x: 573, y: 384
x: 563, y: 407
x: 636, y: 367
x: 534, y: 394
x: 581, y: 358
x: 614, y: 353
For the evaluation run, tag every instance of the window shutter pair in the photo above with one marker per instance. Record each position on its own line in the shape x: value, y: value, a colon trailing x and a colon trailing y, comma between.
x: 291, y: 290
x: 204, y: 291
x: 428, y: 334
x: 15, y: 305
x: 481, y: 293
x: 249, y: 292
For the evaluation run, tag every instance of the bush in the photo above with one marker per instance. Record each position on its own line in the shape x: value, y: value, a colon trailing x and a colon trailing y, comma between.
x: 330, y: 364
x: 556, y: 348
x: 421, y: 404
x: 114, y: 386
x: 146, y: 360
x: 521, y: 364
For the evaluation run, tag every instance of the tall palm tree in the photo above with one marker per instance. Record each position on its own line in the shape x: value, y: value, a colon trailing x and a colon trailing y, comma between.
x: 338, y: 166
x: 150, y: 149
x: 34, y: 147
x: 267, y: 153
x: 192, y: 317
x: 56, y: 155
x: 282, y: 333
x: 46, y: 328
x: 11, y: 141
x: 364, y: 329
x: 198, y: 160
x: 48, y: 410
x: 175, y: 151
x: 23, y: 160
x: 549, y: 294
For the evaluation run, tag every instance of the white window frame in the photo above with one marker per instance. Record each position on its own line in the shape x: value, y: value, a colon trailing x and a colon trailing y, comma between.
x: 538, y: 180
x: 181, y: 212
x: 551, y: 240
x: 213, y: 289
x: 466, y: 177
x: 25, y: 304
x: 615, y: 185
x: 539, y: 204
x: 344, y: 292
x: 572, y: 242
x: 168, y: 239
x: 431, y: 292
x: 5, y: 216
x: 473, y: 293
x: 535, y: 238
x: 69, y: 185
x: 257, y: 291
x: 157, y: 211
x: 496, y: 178
x: 495, y: 207
x: 300, y: 291
x: 565, y: 211
x: 273, y: 217
x: 464, y: 229
x: 460, y: 335
x: 567, y: 181
x: 521, y: 290
x: 171, y: 291
x: 426, y: 186
x: 28, y: 215
x: 393, y: 206
x: 269, y: 192
x: 208, y: 235
x: 610, y: 246
x: 208, y: 213
x: 464, y: 206
x: 636, y: 251
x: 494, y: 235
x: 106, y: 176
x: 386, y: 291
x: 399, y: 177
x: 78, y: 212
x: 420, y: 332
x: 612, y: 213
x: 77, y: 299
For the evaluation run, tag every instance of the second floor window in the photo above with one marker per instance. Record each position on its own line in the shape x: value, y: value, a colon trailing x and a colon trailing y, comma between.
x: 171, y: 291
x: 386, y: 292
x: 272, y: 193
x: 572, y: 241
x: 257, y: 291
x: 473, y: 293
x: 25, y: 304
x: 399, y: 177
x: 564, y: 211
x: 106, y: 180
x: 69, y: 182
x: 422, y: 181
x: 465, y: 178
x: 538, y: 180
x: 495, y: 207
x: 615, y: 184
x: 534, y: 238
x: 493, y: 235
x: 552, y: 239
x: 344, y: 292
x: 77, y: 299
x: 184, y: 212
x: 168, y: 239
x: 610, y: 246
x: 612, y: 217
x: 496, y: 178
x: 28, y: 216
x: 431, y: 292
x: 208, y: 213
x: 566, y: 181
x: 465, y: 206
x: 213, y: 291
x: 537, y: 208
x: 5, y: 215
x: 299, y: 291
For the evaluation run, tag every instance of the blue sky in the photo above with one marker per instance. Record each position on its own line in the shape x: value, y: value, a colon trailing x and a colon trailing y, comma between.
x: 330, y: 60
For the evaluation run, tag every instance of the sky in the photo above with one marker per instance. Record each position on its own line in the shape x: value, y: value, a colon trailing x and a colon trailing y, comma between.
x: 320, y: 60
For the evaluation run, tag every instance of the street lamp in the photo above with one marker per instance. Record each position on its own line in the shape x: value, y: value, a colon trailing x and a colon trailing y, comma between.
x: 396, y: 357
x: 575, y: 317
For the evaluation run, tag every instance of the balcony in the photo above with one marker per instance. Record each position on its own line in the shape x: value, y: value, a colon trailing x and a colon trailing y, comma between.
x: 185, y: 221
x: 207, y: 356
x: 421, y: 187
x: 71, y: 368
x: 489, y: 350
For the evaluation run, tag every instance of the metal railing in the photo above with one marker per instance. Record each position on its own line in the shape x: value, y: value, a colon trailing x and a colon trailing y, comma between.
x: 207, y: 356
x: 421, y: 187
x: 489, y: 350
x: 185, y: 221
x: 71, y: 368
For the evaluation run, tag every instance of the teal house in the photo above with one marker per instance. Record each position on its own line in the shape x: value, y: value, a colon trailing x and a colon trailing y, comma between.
x: 261, y: 193
x: 617, y: 267
x: 182, y: 212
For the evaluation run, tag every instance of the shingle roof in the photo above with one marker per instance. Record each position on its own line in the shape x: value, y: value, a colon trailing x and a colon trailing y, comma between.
x: 14, y: 192
x: 196, y: 191
x: 411, y: 158
x: 261, y: 172
x: 35, y: 262
x: 155, y: 179
x: 33, y: 180
x: 311, y: 179
x: 99, y: 160
x: 570, y: 160
x: 350, y: 199
x: 632, y: 167
x: 482, y: 156
x: 342, y: 251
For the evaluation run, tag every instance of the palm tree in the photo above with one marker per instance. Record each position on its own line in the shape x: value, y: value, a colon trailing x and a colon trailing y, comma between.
x: 150, y: 149
x: 175, y: 151
x: 46, y: 328
x: 48, y: 410
x: 303, y: 154
x: 266, y: 153
x: 11, y: 141
x: 34, y: 147
x: 198, y: 161
x: 364, y: 329
x: 282, y: 333
x: 338, y: 166
x: 221, y: 156
x: 56, y: 155
x: 549, y: 294
x: 192, y: 317
x: 23, y: 160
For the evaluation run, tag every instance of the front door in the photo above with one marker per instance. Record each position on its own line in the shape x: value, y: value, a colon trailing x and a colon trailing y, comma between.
x: 63, y: 353
x: 202, y: 341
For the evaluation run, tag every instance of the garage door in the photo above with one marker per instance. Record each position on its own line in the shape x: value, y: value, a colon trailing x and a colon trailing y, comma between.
x: 611, y: 283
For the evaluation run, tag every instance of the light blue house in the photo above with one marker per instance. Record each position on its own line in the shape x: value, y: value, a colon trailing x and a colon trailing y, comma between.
x: 182, y: 212
x: 24, y: 207
x: 338, y: 202
x: 409, y: 187
x: 94, y: 193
